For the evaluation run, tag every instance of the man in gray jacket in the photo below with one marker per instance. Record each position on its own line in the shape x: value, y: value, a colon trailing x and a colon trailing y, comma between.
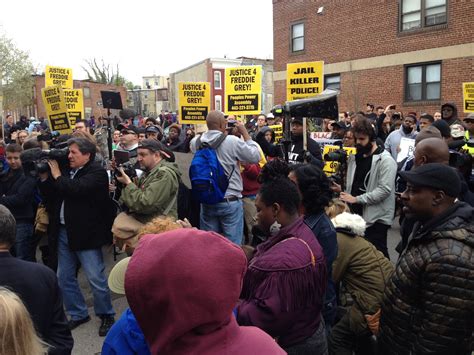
x: 226, y: 217
x: 370, y: 185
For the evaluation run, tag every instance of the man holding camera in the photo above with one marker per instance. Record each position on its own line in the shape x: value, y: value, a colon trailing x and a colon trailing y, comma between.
x: 370, y: 185
x: 155, y: 192
x: 79, y: 206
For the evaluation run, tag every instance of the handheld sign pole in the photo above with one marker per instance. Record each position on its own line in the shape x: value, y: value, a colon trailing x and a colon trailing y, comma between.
x: 305, y: 140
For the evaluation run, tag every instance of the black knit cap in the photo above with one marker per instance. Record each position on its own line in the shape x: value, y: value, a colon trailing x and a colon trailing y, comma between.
x: 435, y: 175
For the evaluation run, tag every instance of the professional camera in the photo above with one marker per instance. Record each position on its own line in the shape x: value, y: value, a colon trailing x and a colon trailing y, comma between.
x: 58, y: 154
x: 339, y: 155
x: 128, y: 169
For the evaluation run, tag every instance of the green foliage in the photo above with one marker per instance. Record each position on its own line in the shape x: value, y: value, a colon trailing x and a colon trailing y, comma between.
x: 16, y: 75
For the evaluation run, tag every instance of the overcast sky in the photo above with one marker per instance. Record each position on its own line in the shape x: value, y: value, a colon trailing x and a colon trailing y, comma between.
x: 142, y: 37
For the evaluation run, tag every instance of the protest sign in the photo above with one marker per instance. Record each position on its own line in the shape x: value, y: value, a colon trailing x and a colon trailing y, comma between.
x: 75, y: 104
x: 194, y: 102
x: 304, y: 80
x: 243, y: 90
x: 56, y: 111
x: 58, y: 76
x: 407, y: 148
x: 320, y: 135
x: 278, y: 130
x: 468, y: 96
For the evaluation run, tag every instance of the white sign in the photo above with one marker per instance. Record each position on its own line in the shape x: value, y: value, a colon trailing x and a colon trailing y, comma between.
x: 407, y: 149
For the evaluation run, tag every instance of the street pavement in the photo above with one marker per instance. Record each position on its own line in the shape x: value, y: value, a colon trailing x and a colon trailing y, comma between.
x: 86, y: 338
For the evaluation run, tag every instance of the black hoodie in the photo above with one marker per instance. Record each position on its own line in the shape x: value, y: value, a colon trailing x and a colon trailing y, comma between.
x: 454, y: 118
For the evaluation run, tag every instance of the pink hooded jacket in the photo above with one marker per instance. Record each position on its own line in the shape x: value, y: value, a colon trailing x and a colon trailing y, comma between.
x: 182, y: 286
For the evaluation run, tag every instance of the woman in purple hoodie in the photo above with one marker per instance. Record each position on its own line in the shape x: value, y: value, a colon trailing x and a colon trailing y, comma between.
x: 286, y: 280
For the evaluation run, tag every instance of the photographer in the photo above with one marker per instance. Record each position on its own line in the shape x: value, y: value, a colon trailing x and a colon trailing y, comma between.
x: 155, y: 192
x: 370, y: 185
x: 16, y: 193
x: 80, y: 219
x: 129, y: 142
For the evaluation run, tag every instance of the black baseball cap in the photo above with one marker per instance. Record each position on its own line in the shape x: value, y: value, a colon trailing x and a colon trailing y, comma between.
x: 297, y: 120
x: 152, y: 129
x: 435, y: 175
x: 156, y: 146
x: 130, y: 129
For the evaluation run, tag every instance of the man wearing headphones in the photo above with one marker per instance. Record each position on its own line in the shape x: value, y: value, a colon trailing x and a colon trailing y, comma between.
x: 370, y: 185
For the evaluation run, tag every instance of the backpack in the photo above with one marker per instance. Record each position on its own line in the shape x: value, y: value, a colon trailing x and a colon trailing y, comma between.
x: 208, y: 179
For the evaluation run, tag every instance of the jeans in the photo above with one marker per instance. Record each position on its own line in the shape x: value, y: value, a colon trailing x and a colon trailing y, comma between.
x: 93, y: 265
x: 226, y: 218
x: 314, y: 345
x: 24, y: 242
x: 377, y: 235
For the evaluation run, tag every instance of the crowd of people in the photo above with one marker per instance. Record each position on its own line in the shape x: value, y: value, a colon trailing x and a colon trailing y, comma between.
x: 261, y: 253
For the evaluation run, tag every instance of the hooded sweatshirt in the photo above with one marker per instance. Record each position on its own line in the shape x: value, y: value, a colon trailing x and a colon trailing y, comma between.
x: 182, y: 287
x: 230, y: 152
x: 454, y: 118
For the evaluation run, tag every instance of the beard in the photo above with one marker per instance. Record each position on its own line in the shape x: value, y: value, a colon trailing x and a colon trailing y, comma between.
x: 407, y: 130
x: 364, y: 149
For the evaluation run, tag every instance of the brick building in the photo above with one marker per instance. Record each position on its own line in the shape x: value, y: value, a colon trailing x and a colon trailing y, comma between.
x: 92, y: 98
x: 412, y: 53
x: 212, y: 70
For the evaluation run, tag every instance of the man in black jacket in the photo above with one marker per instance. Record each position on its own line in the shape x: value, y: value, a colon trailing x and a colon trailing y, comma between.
x: 428, y: 305
x: 296, y: 151
x: 37, y: 287
x: 79, y: 207
x: 17, y: 194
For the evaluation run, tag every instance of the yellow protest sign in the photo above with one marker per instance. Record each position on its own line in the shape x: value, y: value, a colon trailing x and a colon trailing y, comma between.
x: 194, y: 102
x: 56, y: 112
x: 468, y: 96
x: 304, y: 80
x: 243, y: 90
x: 330, y: 167
x: 278, y: 129
x: 75, y: 104
x: 58, y: 76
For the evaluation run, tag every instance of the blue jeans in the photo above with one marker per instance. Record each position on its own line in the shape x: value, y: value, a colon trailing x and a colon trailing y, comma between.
x: 93, y: 265
x: 226, y: 218
x: 23, y: 242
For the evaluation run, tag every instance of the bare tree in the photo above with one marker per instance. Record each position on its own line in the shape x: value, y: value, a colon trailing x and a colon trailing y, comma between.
x: 104, y: 73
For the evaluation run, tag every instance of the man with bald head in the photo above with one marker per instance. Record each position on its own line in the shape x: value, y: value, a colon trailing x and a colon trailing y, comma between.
x: 431, y: 150
x: 226, y: 216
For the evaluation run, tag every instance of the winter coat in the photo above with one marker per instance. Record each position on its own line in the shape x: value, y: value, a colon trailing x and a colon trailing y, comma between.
x: 17, y: 194
x: 88, y: 209
x: 392, y: 142
x: 454, y: 118
x: 361, y: 268
x: 428, y: 305
x: 153, y: 193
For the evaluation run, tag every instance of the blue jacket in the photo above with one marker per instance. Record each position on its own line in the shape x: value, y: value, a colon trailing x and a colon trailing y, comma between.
x: 325, y: 233
x: 125, y: 337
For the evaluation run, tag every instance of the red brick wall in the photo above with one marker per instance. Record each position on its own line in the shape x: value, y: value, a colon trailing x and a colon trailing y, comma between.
x: 355, y: 29
x: 95, y: 89
x: 384, y: 86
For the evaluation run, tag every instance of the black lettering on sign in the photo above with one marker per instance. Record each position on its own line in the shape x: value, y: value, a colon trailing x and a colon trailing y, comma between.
x: 309, y: 70
x: 196, y: 113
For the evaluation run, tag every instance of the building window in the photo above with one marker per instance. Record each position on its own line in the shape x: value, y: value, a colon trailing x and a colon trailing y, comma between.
x: 332, y: 82
x: 297, y: 37
x: 87, y: 92
x: 217, y: 80
x: 218, y: 102
x: 422, y: 13
x: 423, y: 82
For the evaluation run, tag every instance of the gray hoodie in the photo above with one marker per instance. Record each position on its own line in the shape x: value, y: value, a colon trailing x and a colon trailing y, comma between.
x: 379, y: 200
x: 230, y: 152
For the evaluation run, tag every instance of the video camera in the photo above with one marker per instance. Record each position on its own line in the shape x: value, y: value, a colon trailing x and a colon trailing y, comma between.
x: 339, y: 155
x: 35, y: 161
